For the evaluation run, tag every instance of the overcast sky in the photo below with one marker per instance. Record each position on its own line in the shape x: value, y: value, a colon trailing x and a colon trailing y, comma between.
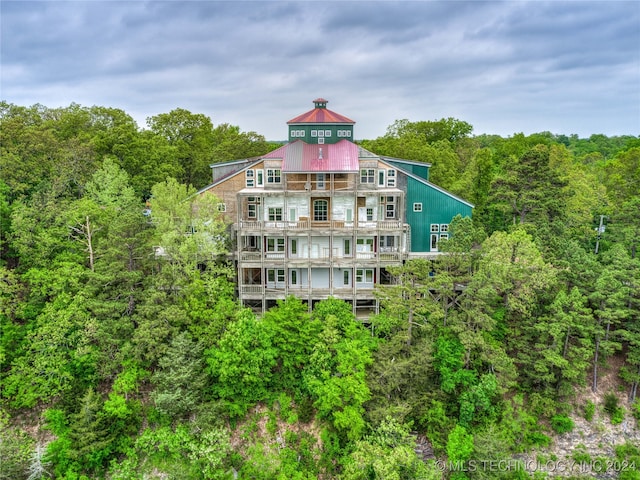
x: 504, y: 67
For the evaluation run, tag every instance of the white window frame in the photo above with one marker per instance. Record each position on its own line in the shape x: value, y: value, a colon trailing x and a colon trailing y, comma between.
x: 275, y: 214
x: 347, y: 251
x: 326, y: 212
x: 417, y: 207
x: 364, y: 275
x: 260, y: 178
x: 250, y: 180
x: 327, y: 133
x: 433, y: 245
x: 381, y: 178
x: 274, y: 176
x: 314, y: 133
x: 275, y: 244
x: 391, y: 178
x: 444, y: 227
x: 368, y: 176
x: 435, y: 228
x: 222, y: 207
x: 320, y: 181
x: 364, y: 245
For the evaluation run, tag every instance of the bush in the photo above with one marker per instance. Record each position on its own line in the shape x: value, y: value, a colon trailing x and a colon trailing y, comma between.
x: 610, y: 403
x: 580, y: 454
x: 611, y: 406
x: 618, y: 416
x: 561, y: 424
x: 589, y: 410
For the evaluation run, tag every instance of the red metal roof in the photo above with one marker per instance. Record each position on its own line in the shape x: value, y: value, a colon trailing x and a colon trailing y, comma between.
x: 320, y: 115
x: 302, y: 157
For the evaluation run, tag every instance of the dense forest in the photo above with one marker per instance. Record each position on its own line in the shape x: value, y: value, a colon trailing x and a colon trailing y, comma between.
x: 119, y: 363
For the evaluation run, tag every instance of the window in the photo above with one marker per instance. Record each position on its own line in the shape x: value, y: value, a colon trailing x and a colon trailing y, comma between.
x: 391, y: 178
x: 381, y: 181
x: 388, y: 204
x: 275, y: 214
x: 417, y: 207
x: 387, y: 242
x: 260, y: 178
x: 321, y: 133
x: 321, y: 210
x: 250, y: 180
x: 320, y: 181
x: 321, y: 141
x: 364, y: 244
x: 294, y: 277
x: 314, y: 133
x: 274, y: 275
x: 345, y: 277
x: 391, y: 211
x: 252, y: 207
x: 294, y: 246
x: 434, y: 242
x: 367, y: 175
x: 444, y: 227
x: 347, y: 247
x: 369, y: 214
x: 222, y: 207
x: 275, y: 245
x: 435, y: 228
x: 273, y: 175
x: 364, y: 276
x: 444, y: 236
x: 327, y: 133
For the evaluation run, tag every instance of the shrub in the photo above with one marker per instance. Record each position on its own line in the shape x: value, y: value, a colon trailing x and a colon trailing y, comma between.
x: 561, y: 424
x: 610, y: 403
x: 589, y: 410
x: 618, y: 416
x: 580, y: 455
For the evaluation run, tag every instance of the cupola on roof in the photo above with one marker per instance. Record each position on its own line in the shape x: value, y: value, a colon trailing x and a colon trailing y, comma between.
x: 321, y: 114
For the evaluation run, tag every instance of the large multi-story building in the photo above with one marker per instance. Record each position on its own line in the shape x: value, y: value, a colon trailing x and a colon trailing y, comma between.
x: 321, y: 216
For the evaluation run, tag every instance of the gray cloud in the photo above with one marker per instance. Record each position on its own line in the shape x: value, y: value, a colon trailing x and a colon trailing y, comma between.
x: 505, y: 67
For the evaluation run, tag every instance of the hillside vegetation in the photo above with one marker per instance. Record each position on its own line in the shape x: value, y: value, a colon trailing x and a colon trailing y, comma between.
x: 122, y: 361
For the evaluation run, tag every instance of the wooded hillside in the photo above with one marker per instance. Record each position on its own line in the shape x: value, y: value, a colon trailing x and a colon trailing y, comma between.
x: 119, y: 363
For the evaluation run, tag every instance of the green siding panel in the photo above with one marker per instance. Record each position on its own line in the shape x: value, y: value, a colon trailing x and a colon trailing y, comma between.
x: 437, y: 207
x: 421, y: 171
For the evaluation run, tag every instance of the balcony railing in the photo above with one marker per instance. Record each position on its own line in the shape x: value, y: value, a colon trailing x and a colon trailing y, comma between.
x: 340, y: 225
x: 324, y: 254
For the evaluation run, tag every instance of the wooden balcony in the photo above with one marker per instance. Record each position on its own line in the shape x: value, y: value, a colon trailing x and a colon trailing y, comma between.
x: 247, y: 226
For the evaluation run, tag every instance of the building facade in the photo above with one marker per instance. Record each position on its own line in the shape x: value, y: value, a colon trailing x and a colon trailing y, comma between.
x: 321, y: 216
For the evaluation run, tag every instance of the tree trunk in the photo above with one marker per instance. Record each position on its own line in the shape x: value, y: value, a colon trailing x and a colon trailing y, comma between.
x: 634, y: 388
x: 90, y: 245
x: 594, y: 387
